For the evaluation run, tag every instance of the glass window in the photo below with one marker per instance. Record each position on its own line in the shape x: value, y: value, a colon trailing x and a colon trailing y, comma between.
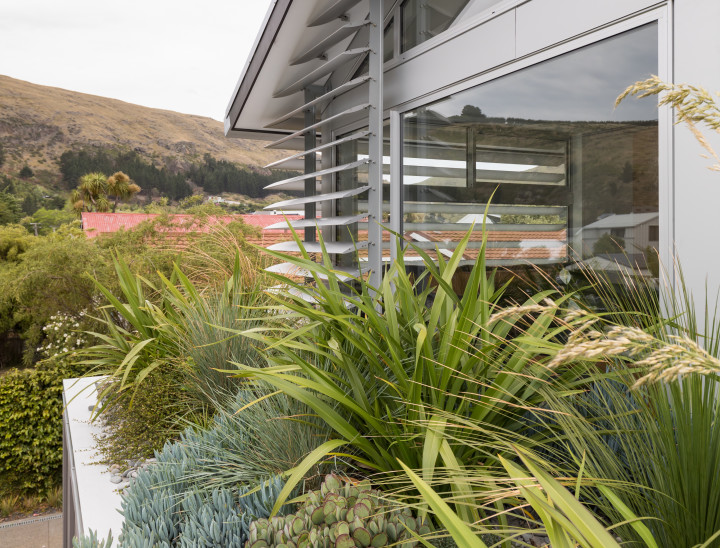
x: 566, y: 174
x: 423, y: 19
x: 357, y: 205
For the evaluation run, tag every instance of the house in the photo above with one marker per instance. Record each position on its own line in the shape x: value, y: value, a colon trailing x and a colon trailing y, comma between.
x: 413, y: 116
x: 634, y: 232
x: 97, y: 224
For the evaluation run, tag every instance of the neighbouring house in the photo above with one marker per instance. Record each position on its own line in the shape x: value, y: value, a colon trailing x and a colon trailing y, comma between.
x: 273, y: 228
x: 412, y: 116
x: 635, y: 231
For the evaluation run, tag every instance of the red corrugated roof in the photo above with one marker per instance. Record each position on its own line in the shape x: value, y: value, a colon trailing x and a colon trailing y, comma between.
x: 95, y: 224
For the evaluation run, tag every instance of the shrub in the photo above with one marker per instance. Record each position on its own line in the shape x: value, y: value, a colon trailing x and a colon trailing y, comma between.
x: 137, y: 427
x: 164, y: 508
x: 388, y: 368
x: 340, y: 514
x: 31, y: 409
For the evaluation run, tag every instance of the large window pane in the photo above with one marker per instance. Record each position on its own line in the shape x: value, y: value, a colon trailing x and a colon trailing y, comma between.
x: 567, y: 175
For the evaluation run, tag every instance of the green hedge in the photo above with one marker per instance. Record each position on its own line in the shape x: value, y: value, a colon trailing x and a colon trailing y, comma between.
x: 31, y: 427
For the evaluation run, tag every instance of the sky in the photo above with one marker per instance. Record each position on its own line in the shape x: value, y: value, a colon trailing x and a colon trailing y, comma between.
x: 177, y: 55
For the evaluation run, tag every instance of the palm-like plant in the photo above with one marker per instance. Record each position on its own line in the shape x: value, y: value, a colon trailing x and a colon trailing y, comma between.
x: 120, y: 186
x: 91, y: 193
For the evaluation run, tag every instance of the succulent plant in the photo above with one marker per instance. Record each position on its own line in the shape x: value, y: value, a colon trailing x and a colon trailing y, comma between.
x: 340, y: 514
x: 91, y: 540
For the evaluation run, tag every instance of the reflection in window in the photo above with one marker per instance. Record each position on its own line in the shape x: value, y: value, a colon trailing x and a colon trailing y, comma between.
x: 346, y: 153
x: 423, y: 19
x: 567, y: 176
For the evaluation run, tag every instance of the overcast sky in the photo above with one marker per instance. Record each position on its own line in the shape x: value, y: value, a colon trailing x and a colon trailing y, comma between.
x: 179, y: 55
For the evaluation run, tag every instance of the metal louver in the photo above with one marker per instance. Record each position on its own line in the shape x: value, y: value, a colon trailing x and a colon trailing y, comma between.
x: 320, y: 186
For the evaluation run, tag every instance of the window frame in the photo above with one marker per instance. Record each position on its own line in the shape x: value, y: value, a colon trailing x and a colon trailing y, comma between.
x: 662, y: 15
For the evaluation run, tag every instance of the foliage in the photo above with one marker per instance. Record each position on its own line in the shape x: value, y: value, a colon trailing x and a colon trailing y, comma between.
x: 192, y: 201
x: 664, y: 439
x: 387, y: 369
x: 343, y: 514
x: 95, y: 189
x: 217, y: 176
x: 250, y: 440
x: 62, y: 335
x: 29, y: 195
x: 121, y: 187
x: 74, y: 164
x: 565, y: 520
x: 31, y: 426
x: 166, y: 507
x: 47, y: 278
x: 137, y: 427
x: 49, y: 220
x: 179, y: 331
x: 10, y: 211
x: 26, y: 172
x: 692, y: 105
x: 14, y: 241
x: 608, y: 244
x: 91, y: 540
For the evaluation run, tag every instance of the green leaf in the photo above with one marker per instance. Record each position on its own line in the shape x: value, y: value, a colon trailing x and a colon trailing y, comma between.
x: 298, y: 473
x: 461, y: 533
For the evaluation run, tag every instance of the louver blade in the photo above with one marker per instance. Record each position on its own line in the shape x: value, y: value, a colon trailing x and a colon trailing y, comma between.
x: 318, y: 198
x: 298, y: 183
x: 322, y: 70
x: 326, y: 121
x: 321, y: 47
x: 353, y: 137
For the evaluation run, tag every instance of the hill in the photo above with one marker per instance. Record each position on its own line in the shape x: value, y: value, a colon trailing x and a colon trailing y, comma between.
x: 39, y: 123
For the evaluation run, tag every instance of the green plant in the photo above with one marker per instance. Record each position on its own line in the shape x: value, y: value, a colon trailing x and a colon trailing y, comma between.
x: 9, y: 504
x: 91, y: 540
x: 185, y: 330
x: 139, y: 426
x: 252, y: 437
x: 565, y: 520
x: 54, y: 497
x: 163, y: 508
x: 387, y: 368
x: 340, y: 514
x: 31, y: 408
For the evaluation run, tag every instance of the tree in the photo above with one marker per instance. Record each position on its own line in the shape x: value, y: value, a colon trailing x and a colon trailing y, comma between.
x: 26, y: 172
x: 121, y: 187
x: 9, y: 209
x: 91, y: 193
x: 608, y: 244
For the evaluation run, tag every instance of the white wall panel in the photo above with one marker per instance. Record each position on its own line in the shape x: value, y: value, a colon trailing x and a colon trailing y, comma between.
x: 697, y: 189
x: 541, y: 23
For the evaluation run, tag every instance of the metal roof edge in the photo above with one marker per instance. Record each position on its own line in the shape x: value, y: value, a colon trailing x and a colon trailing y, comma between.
x: 263, y: 42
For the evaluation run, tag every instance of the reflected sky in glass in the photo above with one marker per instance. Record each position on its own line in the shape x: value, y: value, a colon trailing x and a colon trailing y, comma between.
x: 579, y: 86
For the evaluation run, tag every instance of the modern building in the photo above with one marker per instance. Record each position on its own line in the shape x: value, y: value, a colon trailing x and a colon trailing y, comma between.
x: 418, y: 116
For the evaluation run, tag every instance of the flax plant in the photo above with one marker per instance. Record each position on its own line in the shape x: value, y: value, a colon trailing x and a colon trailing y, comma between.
x: 183, y: 328
x: 371, y: 362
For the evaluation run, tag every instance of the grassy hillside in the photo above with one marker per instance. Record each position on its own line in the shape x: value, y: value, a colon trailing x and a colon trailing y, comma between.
x: 39, y: 123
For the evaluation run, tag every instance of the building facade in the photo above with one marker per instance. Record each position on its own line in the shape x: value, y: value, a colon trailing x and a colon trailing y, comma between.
x: 424, y: 118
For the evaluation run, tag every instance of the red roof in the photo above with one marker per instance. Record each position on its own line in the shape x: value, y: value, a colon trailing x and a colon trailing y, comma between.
x: 95, y: 224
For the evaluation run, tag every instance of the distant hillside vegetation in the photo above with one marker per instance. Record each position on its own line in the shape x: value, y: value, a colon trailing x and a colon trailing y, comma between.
x: 39, y: 123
